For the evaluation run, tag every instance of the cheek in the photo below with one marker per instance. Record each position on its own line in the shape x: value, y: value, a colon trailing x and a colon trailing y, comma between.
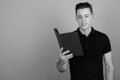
x: 78, y: 20
x: 89, y: 21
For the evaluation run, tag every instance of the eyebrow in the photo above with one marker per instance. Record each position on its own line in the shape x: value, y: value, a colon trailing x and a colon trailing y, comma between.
x: 85, y: 14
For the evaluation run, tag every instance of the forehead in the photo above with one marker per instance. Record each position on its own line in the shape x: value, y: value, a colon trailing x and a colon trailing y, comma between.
x: 83, y: 11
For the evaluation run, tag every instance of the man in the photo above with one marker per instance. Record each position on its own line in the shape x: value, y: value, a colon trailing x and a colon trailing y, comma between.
x: 96, y: 47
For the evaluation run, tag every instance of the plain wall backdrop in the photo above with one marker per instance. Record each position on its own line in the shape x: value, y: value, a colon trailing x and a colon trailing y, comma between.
x: 28, y: 45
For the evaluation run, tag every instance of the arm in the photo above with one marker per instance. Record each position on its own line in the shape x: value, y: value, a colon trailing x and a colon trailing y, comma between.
x: 109, y: 69
x: 63, y: 61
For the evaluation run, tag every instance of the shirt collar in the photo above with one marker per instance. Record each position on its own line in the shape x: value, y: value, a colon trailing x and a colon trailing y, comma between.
x: 91, y: 33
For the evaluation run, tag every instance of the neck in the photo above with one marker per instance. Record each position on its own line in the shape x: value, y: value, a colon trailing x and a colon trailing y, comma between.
x: 86, y: 32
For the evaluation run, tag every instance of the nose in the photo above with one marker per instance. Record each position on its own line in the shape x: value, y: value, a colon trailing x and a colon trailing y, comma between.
x: 83, y: 20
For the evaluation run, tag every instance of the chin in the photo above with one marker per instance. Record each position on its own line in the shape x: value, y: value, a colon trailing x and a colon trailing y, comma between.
x: 84, y: 27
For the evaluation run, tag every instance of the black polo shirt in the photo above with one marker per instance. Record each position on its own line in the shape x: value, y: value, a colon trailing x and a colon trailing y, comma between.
x: 90, y: 66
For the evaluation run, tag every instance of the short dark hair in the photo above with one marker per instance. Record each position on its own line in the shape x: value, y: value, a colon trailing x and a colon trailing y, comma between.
x: 83, y: 5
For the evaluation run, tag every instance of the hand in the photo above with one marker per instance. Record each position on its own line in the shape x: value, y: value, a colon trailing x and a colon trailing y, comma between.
x: 63, y: 55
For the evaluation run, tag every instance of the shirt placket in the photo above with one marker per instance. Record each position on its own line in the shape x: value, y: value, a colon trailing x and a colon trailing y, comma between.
x: 86, y: 45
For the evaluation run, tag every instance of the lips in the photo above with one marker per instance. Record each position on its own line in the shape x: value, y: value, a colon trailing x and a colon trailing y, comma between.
x: 84, y: 24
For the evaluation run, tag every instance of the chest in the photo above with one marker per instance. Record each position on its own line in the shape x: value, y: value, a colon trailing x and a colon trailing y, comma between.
x: 93, y: 45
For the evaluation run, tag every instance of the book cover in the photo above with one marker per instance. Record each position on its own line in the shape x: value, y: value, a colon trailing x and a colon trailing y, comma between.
x: 70, y: 41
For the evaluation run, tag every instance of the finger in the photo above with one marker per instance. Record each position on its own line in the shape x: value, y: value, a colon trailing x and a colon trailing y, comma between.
x: 61, y: 49
x: 69, y: 56
x: 65, y: 52
x: 65, y: 57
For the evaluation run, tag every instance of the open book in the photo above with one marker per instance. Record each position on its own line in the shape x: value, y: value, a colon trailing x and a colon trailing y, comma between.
x: 70, y: 41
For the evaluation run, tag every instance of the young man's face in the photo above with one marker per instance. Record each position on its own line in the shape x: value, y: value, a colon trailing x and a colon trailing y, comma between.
x: 84, y: 18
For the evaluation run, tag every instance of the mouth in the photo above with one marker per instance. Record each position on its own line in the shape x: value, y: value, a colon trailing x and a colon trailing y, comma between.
x: 84, y: 24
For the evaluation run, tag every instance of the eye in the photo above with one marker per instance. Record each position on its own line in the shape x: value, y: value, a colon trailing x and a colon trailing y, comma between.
x: 86, y: 16
x: 79, y: 17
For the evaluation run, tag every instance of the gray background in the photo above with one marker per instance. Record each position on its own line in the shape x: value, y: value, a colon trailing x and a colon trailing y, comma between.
x: 28, y: 46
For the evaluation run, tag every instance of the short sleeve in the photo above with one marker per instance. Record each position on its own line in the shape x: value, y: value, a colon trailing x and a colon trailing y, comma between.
x: 107, y: 45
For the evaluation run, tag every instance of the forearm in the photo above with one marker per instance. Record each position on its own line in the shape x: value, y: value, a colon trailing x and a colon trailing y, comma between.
x: 62, y: 65
x: 109, y: 73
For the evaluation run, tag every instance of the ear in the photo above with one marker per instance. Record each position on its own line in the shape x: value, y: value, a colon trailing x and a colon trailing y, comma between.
x: 76, y: 18
x: 92, y: 16
x: 92, y: 19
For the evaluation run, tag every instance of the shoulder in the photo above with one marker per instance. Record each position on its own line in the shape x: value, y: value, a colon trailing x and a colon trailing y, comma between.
x: 101, y: 35
x: 70, y: 32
